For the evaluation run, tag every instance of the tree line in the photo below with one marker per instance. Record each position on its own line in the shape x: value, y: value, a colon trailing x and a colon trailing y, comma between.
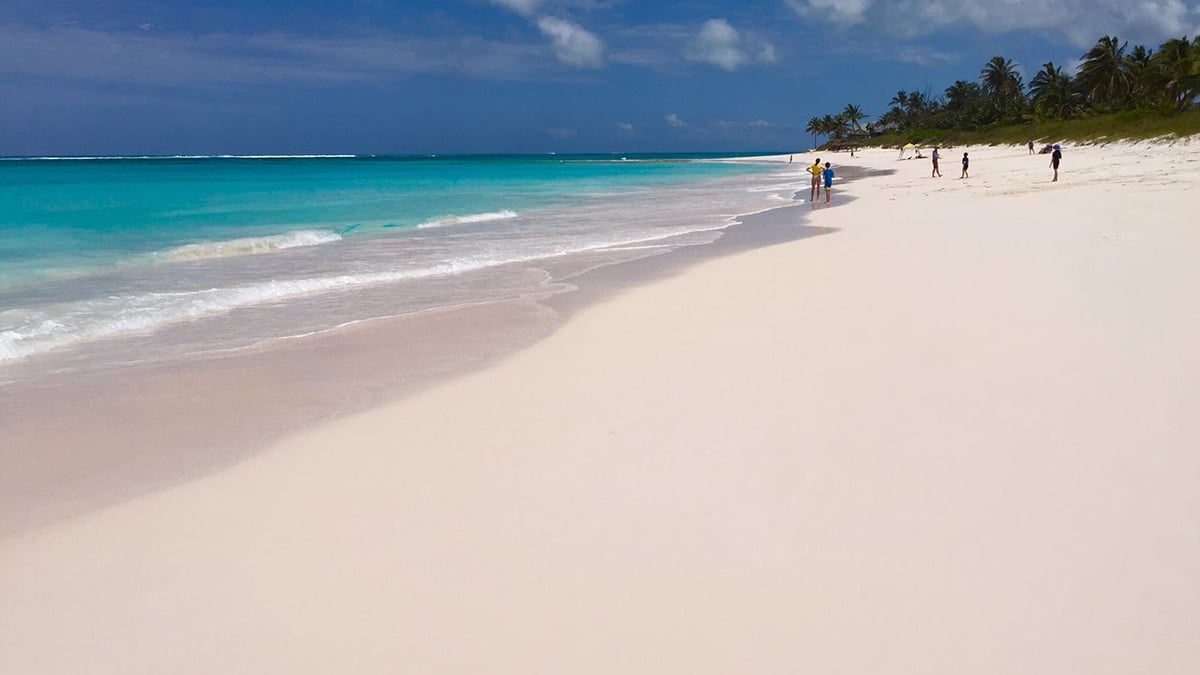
x: 1112, y: 77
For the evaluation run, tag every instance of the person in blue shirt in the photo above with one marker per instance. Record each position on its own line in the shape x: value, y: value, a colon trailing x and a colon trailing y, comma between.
x: 966, y: 165
x: 827, y: 174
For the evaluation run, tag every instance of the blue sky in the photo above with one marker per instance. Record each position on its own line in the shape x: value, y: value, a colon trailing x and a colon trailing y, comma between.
x: 375, y: 76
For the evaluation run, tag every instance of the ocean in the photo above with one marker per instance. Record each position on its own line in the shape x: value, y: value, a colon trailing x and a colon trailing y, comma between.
x: 112, y: 261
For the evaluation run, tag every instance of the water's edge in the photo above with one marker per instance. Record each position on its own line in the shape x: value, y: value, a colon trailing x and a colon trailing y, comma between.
x: 79, y: 442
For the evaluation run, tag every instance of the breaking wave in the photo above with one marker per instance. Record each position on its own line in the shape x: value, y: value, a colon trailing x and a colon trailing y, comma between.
x: 467, y: 220
x: 248, y: 245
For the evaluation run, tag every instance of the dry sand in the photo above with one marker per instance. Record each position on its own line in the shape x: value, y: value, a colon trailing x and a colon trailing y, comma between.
x: 958, y: 435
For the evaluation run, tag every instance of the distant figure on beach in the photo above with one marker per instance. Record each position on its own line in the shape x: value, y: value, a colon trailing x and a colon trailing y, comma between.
x: 1055, y: 158
x: 815, y: 170
x: 966, y: 165
x: 790, y: 159
x: 1031, y: 147
x: 827, y: 174
x: 937, y: 173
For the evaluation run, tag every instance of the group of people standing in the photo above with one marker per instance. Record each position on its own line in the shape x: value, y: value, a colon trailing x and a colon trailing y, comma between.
x: 820, y: 174
x: 937, y: 172
x: 1055, y: 159
x: 823, y: 174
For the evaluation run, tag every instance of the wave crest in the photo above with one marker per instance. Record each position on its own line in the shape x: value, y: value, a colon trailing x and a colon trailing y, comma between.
x: 248, y: 245
x: 468, y: 220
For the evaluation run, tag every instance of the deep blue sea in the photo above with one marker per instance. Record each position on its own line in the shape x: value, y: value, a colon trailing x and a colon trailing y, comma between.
x: 126, y: 259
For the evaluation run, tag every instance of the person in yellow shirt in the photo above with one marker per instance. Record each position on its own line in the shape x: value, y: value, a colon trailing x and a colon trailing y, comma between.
x: 816, y: 169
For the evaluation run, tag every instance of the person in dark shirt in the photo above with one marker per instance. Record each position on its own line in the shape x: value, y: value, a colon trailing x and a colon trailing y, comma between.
x: 1055, y: 158
x: 966, y: 165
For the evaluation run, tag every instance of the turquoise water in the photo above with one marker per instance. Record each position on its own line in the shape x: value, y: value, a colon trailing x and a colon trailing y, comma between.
x: 121, y: 250
x: 65, y: 215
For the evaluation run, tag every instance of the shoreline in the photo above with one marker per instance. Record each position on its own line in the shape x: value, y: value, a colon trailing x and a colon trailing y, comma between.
x: 181, y: 420
x: 960, y: 431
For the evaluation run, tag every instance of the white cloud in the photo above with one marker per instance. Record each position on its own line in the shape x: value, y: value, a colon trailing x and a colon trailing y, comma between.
x: 1079, y: 22
x: 720, y: 44
x: 561, y: 134
x: 573, y: 45
x: 625, y: 126
x: 522, y: 7
x: 673, y: 120
x: 922, y: 56
x: 752, y: 124
x: 767, y: 53
x: 848, y: 12
x: 531, y: 7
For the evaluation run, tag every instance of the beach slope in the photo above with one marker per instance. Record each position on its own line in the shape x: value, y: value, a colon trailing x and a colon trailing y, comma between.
x: 957, y: 435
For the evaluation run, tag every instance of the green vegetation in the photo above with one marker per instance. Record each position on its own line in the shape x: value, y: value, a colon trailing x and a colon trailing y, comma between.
x: 1125, y: 125
x: 1118, y: 93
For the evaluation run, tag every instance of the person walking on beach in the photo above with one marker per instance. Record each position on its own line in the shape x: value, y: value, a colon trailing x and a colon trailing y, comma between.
x: 937, y: 173
x: 966, y: 165
x: 1031, y: 147
x: 1055, y: 158
x: 815, y: 170
x: 827, y: 174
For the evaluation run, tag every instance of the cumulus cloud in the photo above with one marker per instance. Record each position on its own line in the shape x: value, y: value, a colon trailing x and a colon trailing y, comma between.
x: 522, y: 7
x: 625, y: 126
x: 1079, y: 22
x: 720, y: 44
x: 847, y: 12
x: 673, y: 120
x: 573, y: 44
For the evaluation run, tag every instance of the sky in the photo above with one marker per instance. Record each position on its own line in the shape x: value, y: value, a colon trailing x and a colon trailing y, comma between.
x: 95, y: 77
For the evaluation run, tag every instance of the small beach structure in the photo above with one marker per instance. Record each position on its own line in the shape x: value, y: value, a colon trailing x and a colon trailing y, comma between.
x: 908, y: 148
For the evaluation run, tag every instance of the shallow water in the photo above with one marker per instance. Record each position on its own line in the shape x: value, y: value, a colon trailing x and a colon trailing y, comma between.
x: 116, y: 261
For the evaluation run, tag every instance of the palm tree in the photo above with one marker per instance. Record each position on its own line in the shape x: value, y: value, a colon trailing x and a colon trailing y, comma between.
x: 1054, y: 94
x: 900, y: 108
x: 1043, y: 79
x: 814, y: 128
x: 1002, y: 85
x: 832, y: 126
x: 1178, y: 65
x: 964, y: 101
x: 1104, y: 74
x: 910, y: 109
x: 1144, y: 78
x: 922, y: 108
x: 854, y: 115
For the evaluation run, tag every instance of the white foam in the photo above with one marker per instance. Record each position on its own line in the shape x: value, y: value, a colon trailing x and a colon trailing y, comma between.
x: 68, y: 325
x: 118, y: 316
x: 469, y: 219
x: 775, y: 187
x: 248, y: 245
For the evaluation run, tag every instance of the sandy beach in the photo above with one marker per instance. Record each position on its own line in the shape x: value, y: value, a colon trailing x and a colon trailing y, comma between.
x: 956, y: 432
